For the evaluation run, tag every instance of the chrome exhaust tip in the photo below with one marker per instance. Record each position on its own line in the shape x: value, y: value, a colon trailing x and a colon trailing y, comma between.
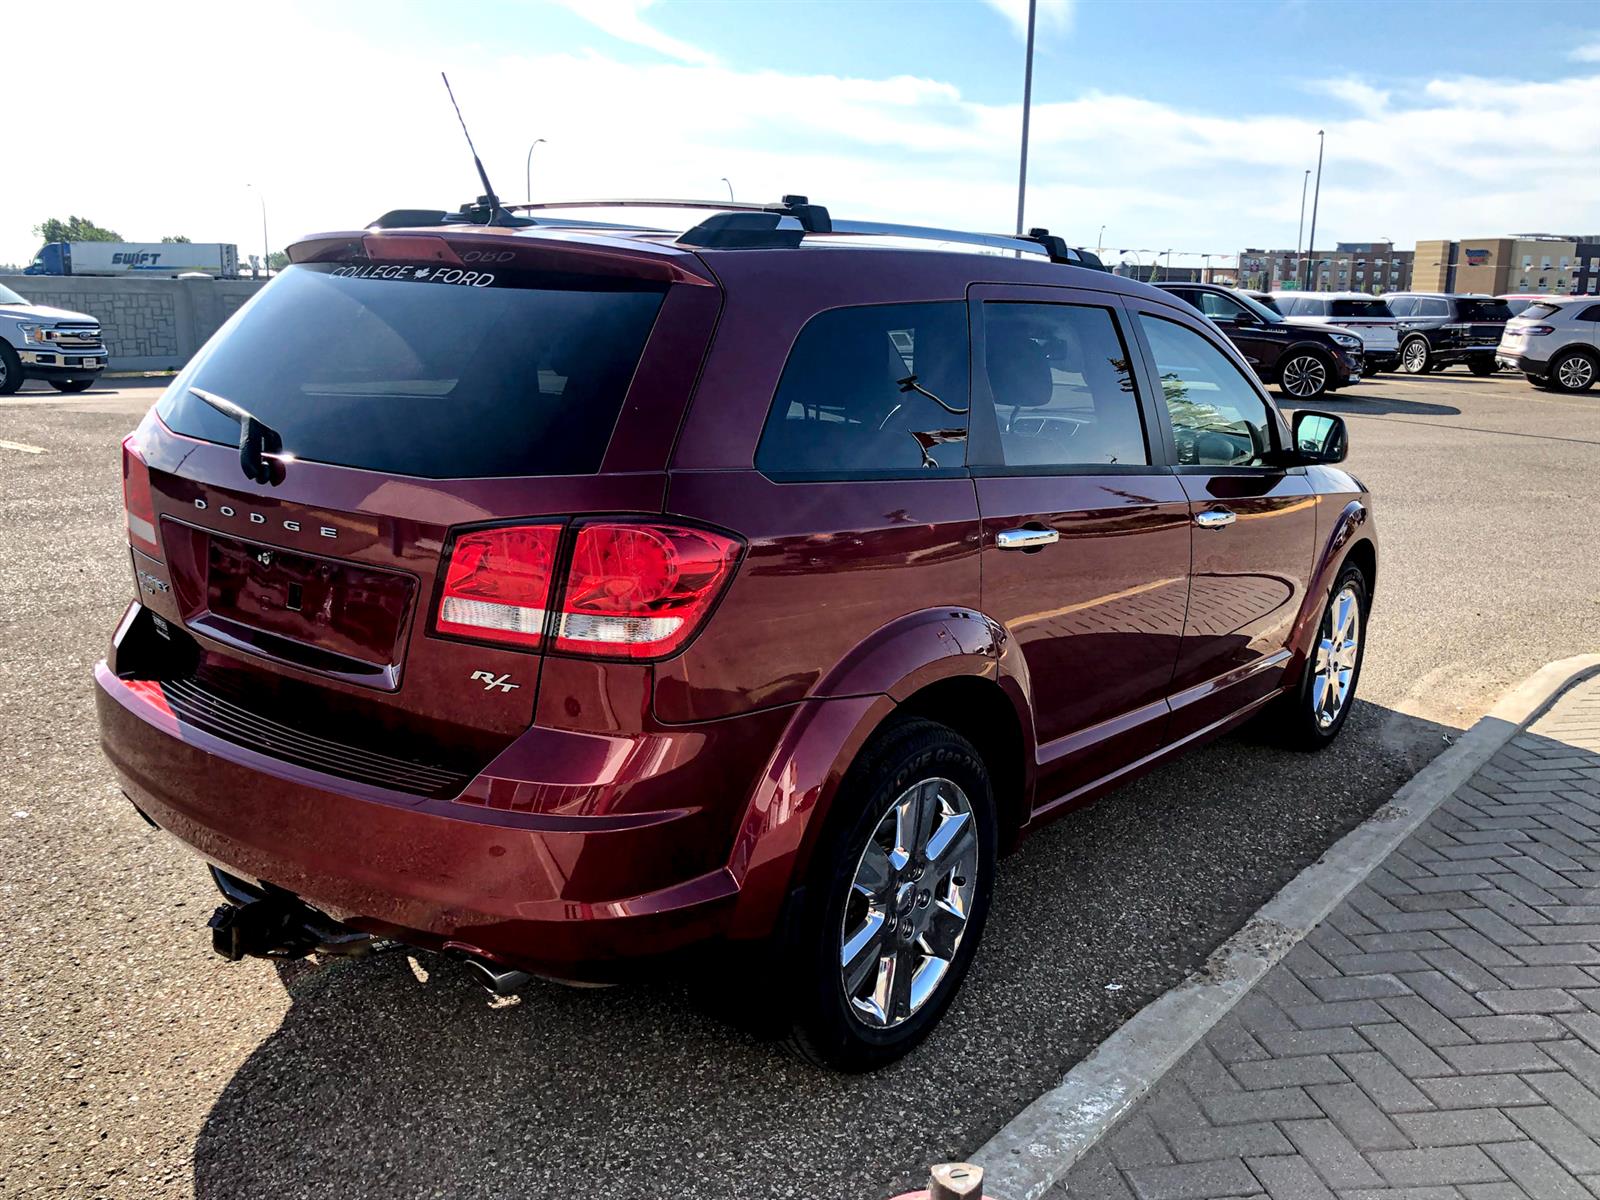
x: 495, y: 979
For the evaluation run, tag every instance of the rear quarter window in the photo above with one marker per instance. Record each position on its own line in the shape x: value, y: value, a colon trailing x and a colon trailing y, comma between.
x: 871, y: 389
x: 395, y: 369
x: 1361, y: 308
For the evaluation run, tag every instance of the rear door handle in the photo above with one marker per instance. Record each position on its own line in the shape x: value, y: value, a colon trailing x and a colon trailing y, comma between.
x: 1215, y: 518
x: 1025, y: 539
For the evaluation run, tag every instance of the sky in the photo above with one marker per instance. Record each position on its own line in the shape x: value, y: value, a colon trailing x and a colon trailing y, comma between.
x: 1156, y: 124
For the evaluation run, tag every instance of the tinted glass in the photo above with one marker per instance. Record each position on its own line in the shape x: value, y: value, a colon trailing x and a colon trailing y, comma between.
x: 876, y: 388
x: 1403, y: 306
x: 1219, y: 307
x: 523, y: 375
x: 1062, y: 385
x: 1592, y: 313
x: 1484, y: 310
x: 1534, y: 311
x: 1218, y: 418
x: 1360, y: 308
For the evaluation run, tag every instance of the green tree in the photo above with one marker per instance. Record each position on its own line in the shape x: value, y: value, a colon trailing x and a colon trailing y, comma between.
x: 179, y: 239
x: 277, y: 260
x: 74, y: 229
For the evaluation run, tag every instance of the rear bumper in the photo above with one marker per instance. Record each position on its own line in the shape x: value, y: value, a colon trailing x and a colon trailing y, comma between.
x: 547, y: 892
x: 1525, y: 363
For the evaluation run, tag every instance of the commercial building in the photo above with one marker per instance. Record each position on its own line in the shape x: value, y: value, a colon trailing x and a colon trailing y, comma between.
x: 1540, y: 263
x: 1349, y: 267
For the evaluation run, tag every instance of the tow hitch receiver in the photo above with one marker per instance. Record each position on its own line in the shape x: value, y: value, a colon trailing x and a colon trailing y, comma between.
x: 269, y: 923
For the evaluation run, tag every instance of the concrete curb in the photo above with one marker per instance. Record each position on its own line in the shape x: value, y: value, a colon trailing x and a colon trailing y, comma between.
x: 1037, y: 1147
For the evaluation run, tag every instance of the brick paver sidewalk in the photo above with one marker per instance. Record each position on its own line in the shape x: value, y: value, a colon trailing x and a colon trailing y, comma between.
x: 1436, y: 1038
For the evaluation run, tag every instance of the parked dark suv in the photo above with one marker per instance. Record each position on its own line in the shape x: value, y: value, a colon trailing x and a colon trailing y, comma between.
x: 1302, y: 361
x: 1437, y: 330
x: 560, y: 596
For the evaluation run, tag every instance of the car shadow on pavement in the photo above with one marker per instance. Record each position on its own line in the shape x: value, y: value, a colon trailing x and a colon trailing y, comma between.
x: 1363, y: 402
x: 398, y: 1076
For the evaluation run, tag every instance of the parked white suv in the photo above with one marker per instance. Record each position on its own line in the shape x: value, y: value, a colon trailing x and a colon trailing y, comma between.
x: 1368, y: 317
x: 39, y: 342
x: 1555, y: 342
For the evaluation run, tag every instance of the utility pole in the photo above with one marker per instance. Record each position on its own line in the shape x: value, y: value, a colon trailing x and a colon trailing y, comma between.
x: 1027, y: 103
x: 1316, y: 197
x: 1300, y: 233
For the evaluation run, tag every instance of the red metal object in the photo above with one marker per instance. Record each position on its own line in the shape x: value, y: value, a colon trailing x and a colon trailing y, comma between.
x: 565, y: 809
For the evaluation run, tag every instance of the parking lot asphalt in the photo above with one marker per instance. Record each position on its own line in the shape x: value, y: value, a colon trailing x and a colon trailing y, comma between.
x: 134, y: 1063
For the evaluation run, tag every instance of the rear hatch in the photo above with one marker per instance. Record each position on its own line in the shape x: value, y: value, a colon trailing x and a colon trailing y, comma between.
x: 1482, y: 321
x: 1370, y: 320
x: 319, y: 498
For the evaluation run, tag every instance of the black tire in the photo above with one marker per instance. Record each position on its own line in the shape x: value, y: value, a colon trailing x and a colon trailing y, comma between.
x: 1538, y: 381
x: 1479, y: 367
x: 1573, y: 372
x: 1413, y: 363
x: 1304, y: 364
x: 72, y: 385
x: 1293, y: 720
x: 824, y: 1028
x: 10, y: 370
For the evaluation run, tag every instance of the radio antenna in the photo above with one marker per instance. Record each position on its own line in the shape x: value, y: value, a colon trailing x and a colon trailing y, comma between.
x: 488, y: 200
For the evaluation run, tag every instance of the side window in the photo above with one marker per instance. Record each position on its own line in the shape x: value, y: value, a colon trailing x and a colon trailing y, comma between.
x: 1219, y: 307
x: 1063, y: 386
x: 1592, y: 313
x: 1403, y: 306
x: 1433, y: 306
x: 1218, y: 417
x: 1294, y: 306
x: 877, y: 388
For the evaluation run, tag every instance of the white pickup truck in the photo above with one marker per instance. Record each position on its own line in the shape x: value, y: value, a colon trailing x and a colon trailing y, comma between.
x: 39, y: 342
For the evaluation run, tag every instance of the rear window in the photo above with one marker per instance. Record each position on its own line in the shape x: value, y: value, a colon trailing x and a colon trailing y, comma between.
x: 875, y: 388
x: 1361, y: 308
x: 1484, y: 310
x: 1536, y: 312
x: 432, y: 372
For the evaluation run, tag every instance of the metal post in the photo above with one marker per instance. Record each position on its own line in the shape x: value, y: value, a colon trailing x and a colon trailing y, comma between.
x: 1100, y: 243
x: 1027, y: 102
x: 1300, y: 233
x: 730, y: 189
x: 266, y: 251
x: 1316, y: 197
x: 527, y: 169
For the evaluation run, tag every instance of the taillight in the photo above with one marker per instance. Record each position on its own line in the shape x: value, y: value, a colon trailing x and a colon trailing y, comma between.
x: 631, y: 590
x: 497, y: 583
x: 640, y: 590
x: 136, y: 498
x: 1536, y: 330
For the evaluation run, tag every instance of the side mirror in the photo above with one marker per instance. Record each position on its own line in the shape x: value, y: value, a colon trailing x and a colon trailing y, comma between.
x: 1246, y: 317
x: 1319, y: 437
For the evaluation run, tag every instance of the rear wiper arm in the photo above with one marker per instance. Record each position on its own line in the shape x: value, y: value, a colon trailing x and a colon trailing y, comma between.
x: 258, y: 441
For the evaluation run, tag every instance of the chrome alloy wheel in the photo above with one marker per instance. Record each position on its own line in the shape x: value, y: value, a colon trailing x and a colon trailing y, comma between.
x: 909, y: 902
x: 1337, y: 649
x: 1305, y: 376
x: 1415, y: 356
x: 1575, y: 373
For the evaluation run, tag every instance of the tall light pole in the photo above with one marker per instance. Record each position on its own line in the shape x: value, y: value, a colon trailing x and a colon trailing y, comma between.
x: 1316, y: 197
x: 1137, y: 261
x: 1100, y: 242
x: 527, y: 170
x: 266, y: 252
x: 1300, y: 233
x: 730, y: 189
x: 1027, y: 103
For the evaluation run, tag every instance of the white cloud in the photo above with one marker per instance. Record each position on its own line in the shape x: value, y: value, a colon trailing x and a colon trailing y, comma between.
x: 1361, y: 96
x: 624, y: 20
x: 1589, y: 52
x: 366, y: 132
x: 1053, y: 16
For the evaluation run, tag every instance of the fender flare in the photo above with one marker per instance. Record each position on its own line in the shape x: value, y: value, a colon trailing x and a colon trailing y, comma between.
x: 789, y: 805
x: 1353, y: 524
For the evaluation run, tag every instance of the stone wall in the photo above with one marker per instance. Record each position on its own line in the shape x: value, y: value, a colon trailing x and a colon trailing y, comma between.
x: 148, y: 324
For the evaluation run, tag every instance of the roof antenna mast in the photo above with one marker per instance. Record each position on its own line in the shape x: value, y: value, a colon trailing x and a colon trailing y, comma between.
x: 488, y: 201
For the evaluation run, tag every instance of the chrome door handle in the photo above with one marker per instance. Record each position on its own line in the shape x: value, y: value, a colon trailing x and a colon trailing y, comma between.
x: 1025, y: 539
x: 1215, y: 518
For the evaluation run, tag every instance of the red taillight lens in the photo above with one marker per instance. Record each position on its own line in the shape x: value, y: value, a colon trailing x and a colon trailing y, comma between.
x: 136, y: 498
x: 498, y: 584
x: 641, y: 591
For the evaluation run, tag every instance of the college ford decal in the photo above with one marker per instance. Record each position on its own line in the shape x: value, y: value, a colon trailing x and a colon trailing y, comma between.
x: 413, y: 273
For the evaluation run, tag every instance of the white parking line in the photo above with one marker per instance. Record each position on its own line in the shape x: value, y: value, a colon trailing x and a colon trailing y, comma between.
x: 22, y: 447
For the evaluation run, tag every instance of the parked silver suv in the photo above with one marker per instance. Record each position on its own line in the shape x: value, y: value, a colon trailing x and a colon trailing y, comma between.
x: 1555, y: 343
x: 1368, y: 317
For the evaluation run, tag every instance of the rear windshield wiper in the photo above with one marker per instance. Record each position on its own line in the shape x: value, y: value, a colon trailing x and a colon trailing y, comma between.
x: 258, y: 441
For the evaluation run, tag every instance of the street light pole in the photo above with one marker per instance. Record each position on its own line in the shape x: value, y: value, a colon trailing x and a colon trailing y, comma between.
x: 1027, y: 103
x: 730, y: 189
x: 1100, y: 242
x: 1300, y: 232
x: 527, y: 169
x: 266, y: 252
x: 1316, y: 197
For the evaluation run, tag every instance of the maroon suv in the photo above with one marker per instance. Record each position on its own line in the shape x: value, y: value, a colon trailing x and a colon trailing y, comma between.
x: 562, y: 596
